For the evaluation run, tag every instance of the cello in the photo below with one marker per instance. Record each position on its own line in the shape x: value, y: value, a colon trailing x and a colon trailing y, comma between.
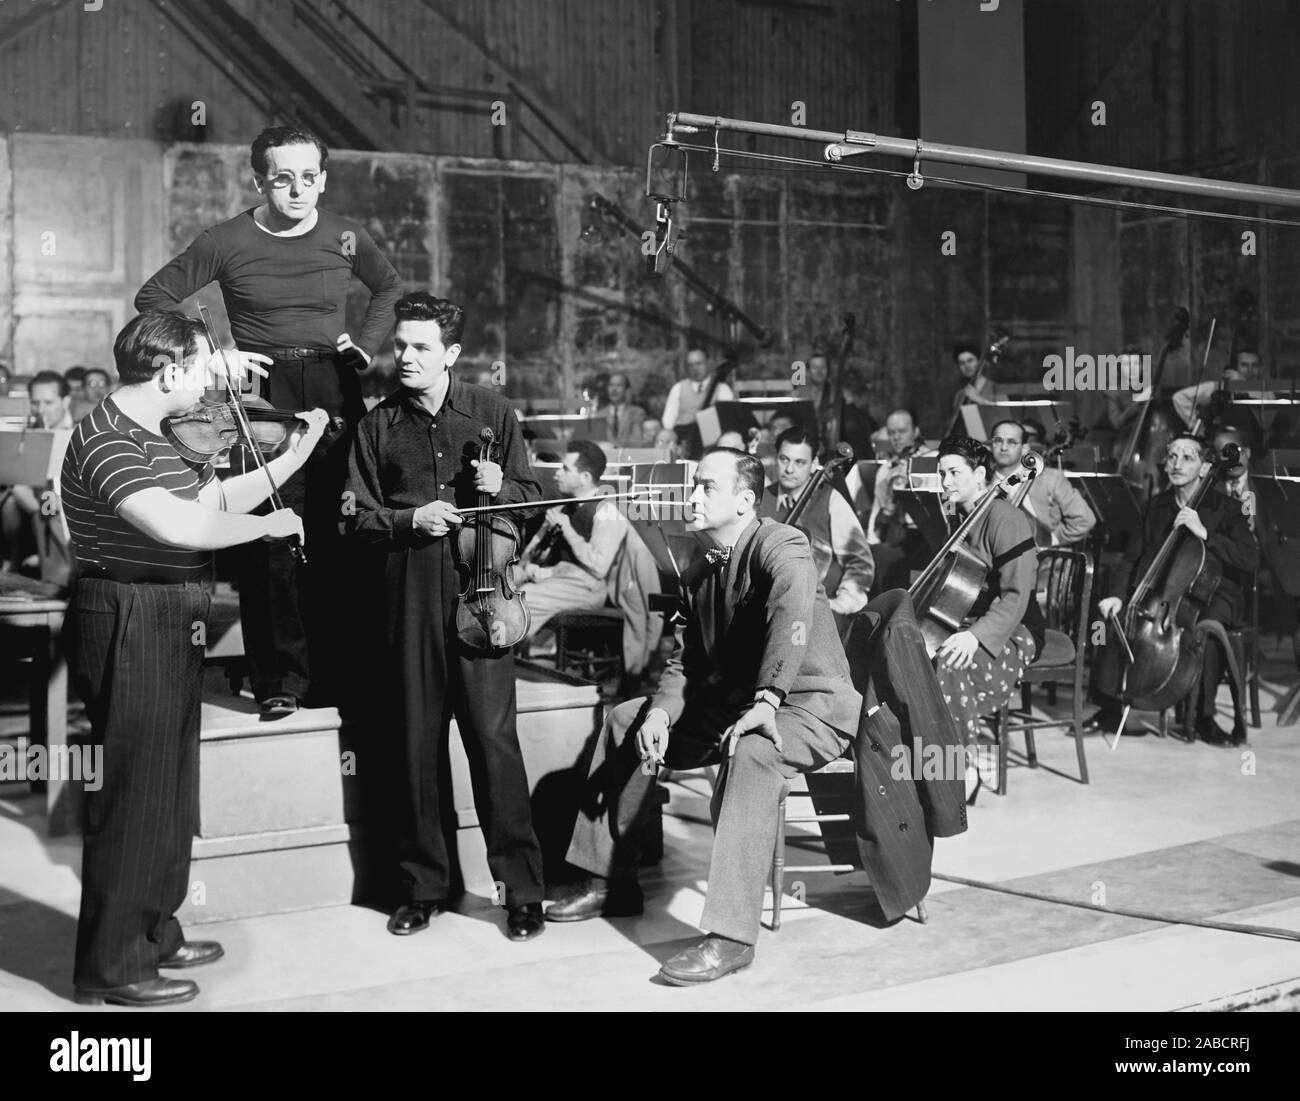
x: 1158, y: 636
x: 491, y: 615
x: 820, y: 477
x: 946, y: 590
x: 1139, y: 463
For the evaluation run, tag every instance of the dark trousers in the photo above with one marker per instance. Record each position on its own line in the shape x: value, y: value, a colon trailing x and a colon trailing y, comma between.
x: 1109, y: 665
x: 294, y: 623
x: 433, y: 679
x: 140, y: 672
x: 607, y: 837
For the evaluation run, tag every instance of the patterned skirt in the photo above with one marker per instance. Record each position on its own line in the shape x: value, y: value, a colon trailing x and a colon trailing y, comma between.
x: 988, y: 683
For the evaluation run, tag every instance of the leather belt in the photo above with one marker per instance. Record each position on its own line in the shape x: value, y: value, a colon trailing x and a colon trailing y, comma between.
x: 296, y: 353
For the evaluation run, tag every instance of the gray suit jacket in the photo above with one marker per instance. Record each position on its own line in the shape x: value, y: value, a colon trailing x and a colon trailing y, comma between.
x: 763, y: 622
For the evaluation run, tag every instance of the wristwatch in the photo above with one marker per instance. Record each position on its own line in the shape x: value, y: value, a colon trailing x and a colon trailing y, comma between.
x: 770, y: 696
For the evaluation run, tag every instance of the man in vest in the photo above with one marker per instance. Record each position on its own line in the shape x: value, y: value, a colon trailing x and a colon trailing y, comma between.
x: 839, y: 545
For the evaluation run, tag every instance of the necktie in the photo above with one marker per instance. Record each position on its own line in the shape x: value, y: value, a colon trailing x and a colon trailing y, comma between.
x: 783, y: 508
x: 717, y: 554
x: 1239, y: 492
x: 613, y: 422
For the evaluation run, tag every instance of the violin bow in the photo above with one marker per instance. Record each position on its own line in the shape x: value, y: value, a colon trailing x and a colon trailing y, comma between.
x: 236, y: 401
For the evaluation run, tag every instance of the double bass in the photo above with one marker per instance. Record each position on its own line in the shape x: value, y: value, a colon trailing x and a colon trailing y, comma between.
x: 821, y: 476
x: 990, y: 357
x: 1158, y: 634
x: 1142, y: 454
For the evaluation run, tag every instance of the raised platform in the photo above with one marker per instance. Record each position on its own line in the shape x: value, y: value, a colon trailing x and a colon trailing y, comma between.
x: 282, y: 806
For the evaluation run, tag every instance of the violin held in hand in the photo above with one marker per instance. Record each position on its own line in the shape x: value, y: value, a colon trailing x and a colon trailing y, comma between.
x: 211, y: 428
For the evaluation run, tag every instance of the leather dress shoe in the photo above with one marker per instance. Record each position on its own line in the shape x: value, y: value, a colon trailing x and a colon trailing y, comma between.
x: 193, y: 953
x: 277, y: 707
x: 599, y: 898
x: 411, y: 917
x: 146, y: 992
x: 526, y: 921
x: 1105, y: 719
x: 712, y: 958
x: 1212, y: 733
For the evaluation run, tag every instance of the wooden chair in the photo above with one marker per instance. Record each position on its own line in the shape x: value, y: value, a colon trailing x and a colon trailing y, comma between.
x: 1068, y: 589
x: 589, y: 643
x: 837, y: 775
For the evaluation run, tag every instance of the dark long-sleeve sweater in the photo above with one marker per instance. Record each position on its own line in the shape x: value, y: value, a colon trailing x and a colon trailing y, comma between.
x: 1229, y: 539
x: 284, y: 291
x: 403, y: 457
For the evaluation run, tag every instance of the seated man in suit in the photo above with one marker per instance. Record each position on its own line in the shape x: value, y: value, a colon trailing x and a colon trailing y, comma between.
x: 1221, y: 524
x: 839, y: 545
x: 760, y: 685
x: 626, y: 419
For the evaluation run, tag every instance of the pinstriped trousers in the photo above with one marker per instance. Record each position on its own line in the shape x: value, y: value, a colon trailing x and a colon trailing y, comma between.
x: 138, y: 669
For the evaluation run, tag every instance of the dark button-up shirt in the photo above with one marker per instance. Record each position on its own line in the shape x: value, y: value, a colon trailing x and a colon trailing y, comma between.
x: 404, y: 457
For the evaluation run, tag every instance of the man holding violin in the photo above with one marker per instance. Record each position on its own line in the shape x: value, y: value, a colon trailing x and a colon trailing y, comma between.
x: 414, y: 465
x: 144, y: 522
x: 284, y: 269
x: 1221, y: 524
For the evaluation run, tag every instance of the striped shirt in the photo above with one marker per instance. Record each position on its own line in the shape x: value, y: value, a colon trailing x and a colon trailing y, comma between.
x: 110, y: 459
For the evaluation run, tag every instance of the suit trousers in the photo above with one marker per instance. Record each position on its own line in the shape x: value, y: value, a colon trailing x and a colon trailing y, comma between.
x: 294, y: 621
x: 607, y: 837
x: 433, y: 679
x: 140, y: 672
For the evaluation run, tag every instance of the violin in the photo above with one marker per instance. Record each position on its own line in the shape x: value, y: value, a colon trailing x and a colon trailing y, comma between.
x: 491, y: 614
x: 207, y: 430
x: 211, y: 428
x: 1140, y: 461
x: 948, y: 587
x: 1159, y: 637
x: 545, y: 543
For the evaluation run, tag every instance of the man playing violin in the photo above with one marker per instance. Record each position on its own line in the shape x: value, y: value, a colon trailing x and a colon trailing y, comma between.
x: 144, y: 522
x: 1221, y: 523
x: 285, y: 268
x: 839, y: 545
x: 980, y: 665
x: 414, y: 464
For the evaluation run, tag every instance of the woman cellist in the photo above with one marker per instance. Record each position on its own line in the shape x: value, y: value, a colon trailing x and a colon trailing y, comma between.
x: 980, y: 665
x: 1220, y: 523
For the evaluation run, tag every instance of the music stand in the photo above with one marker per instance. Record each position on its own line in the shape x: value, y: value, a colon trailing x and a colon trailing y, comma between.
x: 1112, y: 501
x: 15, y: 410
x: 28, y: 457
x: 925, y: 510
x: 978, y: 420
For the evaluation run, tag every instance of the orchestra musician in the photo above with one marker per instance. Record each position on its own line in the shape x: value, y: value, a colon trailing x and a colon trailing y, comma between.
x: 980, y: 665
x: 759, y: 684
x: 896, y: 542
x: 1196, y: 402
x: 144, y: 522
x: 414, y: 463
x: 284, y: 269
x: 566, y: 566
x: 982, y: 390
x: 1222, y: 525
x: 839, y: 546
x: 686, y: 398
x: 626, y: 419
x: 1060, y: 515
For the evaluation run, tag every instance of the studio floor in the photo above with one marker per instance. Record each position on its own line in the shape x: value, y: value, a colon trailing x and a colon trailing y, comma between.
x: 1182, y: 830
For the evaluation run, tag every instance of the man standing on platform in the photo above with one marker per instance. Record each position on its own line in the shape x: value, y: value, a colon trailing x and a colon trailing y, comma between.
x: 760, y: 685
x: 144, y: 522
x: 284, y: 269
x: 839, y: 545
x: 414, y: 463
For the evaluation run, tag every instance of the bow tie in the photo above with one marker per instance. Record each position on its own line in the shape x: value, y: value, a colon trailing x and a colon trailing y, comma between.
x: 717, y: 554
